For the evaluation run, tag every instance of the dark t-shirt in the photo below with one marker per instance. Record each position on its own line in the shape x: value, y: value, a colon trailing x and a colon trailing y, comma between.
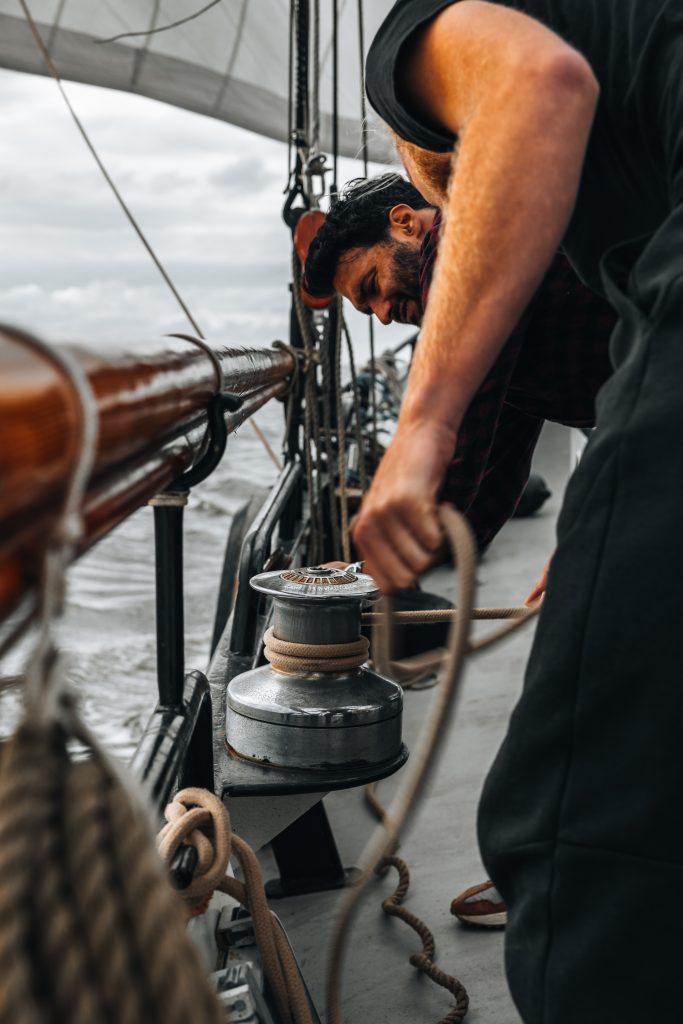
x: 633, y: 172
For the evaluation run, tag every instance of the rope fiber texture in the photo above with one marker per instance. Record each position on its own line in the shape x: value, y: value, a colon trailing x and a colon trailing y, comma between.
x: 286, y: 656
x: 89, y: 926
x: 392, y: 906
x: 198, y: 818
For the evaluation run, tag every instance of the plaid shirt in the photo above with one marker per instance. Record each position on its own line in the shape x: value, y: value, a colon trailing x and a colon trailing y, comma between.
x: 551, y: 368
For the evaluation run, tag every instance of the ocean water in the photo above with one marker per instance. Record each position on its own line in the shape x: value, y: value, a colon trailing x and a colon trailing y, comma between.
x: 107, y: 634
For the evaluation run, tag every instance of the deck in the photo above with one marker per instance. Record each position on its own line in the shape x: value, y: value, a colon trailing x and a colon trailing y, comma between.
x: 440, y: 848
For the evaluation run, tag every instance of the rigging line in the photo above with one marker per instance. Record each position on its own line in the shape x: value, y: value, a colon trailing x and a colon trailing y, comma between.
x: 239, y: 32
x: 341, y: 436
x: 315, y: 98
x: 364, y: 155
x: 141, y: 54
x: 328, y: 47
x: 161, y: 28
x: 363, y: 106
x: 122, y: 203
x: 362, y: 471
x: 54, y: 29
x: 335, y: 98
x: 86, y: 138
x: 290, y: 94
x: 328, y: 387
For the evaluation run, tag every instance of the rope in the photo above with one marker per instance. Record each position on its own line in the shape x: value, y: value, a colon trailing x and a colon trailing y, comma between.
x: 416, y: 618
x: 362, y: 470
x: 363, y: 107
x: 391, y: 906
x: 52, y: 68
x: 341, y: 437
x: 373, y: 396
x: 335, y: 100
x: 89, y: 927
x: 315, y: 91
x: 198, y: 818
x: 161, y: 28
x: 423, y: 961
x: 311, y: 416
x: 327, y: 415
x: 422, y: 668
x: 364, y: 157
x: 383, y: 842
x: 286, y: 656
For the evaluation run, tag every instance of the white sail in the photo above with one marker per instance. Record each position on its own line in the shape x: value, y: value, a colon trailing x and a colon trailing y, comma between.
x: 230, y: 62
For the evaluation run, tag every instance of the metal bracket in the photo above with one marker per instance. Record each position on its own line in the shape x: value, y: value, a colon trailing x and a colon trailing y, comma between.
x: 217, y: 437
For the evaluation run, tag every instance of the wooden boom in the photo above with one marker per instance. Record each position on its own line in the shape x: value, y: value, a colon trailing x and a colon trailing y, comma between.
x: 152, y: 401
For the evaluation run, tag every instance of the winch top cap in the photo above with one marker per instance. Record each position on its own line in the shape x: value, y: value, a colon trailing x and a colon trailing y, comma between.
x: 318, y: 582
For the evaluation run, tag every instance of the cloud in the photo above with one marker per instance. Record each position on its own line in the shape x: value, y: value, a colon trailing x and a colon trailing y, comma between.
x: 208, y: 196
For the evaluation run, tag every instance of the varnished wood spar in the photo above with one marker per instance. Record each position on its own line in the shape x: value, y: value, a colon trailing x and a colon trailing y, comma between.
x: 151, y: 402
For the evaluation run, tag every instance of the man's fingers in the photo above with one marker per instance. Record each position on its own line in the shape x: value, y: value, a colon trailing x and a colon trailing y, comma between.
x: 409, y: 548
x: 542, y: 585
x: 424, y: 526
x: 387, y: 569
x: 383, y: 559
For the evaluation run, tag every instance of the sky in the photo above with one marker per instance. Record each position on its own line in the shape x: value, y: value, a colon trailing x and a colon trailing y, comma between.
x: 207, y: 195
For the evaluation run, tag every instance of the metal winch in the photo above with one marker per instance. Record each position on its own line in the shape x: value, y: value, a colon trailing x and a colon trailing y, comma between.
x: 316, y: 705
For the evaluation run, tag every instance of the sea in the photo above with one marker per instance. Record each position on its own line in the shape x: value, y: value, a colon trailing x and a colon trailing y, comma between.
x: 107, y: 635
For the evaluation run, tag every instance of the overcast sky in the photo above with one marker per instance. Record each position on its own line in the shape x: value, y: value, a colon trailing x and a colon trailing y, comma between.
x: 207, y: 195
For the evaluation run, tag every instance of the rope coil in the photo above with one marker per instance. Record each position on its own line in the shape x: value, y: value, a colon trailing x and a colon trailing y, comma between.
x: 286, y: 656
x: 197, y: 818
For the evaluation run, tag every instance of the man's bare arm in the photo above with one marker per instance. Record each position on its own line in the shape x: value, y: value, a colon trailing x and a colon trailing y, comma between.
x: 521, y: 102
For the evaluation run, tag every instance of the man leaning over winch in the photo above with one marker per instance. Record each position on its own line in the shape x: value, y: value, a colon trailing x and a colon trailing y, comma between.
x: 560, y: 122
x: 378, y: 247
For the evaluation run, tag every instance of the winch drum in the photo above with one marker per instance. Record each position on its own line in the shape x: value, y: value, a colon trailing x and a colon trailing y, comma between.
x: 315, y: 720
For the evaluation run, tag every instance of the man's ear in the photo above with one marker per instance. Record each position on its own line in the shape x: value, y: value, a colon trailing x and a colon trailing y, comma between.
x: 404, y: 221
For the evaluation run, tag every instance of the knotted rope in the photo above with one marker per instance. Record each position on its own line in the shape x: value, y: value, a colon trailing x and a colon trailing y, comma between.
x: 423, y: 961
x: 198, y: 818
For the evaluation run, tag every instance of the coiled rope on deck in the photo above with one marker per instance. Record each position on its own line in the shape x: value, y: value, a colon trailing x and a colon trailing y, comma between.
x: 198, y: 818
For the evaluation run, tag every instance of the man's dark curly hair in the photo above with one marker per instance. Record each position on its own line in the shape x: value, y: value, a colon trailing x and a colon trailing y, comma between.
x: 360, y: 218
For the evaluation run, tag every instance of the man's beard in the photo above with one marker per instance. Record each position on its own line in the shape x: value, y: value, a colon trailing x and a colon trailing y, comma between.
x: 405, y: 265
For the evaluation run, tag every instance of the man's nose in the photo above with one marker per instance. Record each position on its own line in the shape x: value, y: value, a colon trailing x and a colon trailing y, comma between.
x: 382, y: 310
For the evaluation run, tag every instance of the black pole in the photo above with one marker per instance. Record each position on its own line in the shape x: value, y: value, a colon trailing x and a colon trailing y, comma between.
x: 170, y: 613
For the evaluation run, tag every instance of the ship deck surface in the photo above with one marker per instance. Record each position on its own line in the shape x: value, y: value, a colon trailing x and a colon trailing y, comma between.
x: 380, y: 987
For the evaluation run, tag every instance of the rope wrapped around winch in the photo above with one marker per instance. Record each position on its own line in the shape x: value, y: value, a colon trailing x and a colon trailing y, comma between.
x: 286, y: 656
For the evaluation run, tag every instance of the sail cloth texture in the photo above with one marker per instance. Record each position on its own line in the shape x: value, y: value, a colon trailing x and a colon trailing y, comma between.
x: 231, y: 62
